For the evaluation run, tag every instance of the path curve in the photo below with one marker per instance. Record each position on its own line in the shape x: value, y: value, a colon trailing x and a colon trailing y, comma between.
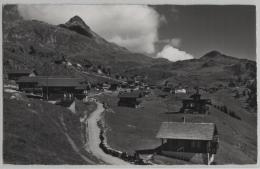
x: 94, y: 140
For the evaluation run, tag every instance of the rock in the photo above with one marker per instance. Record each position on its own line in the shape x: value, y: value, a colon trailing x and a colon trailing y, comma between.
x: 78, y: 25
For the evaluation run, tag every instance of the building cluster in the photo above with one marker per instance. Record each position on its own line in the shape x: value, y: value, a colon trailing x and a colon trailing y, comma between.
x: 178, y: 138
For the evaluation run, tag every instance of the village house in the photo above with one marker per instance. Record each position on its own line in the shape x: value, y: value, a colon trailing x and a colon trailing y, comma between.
x: 180, y: 91
x: 52, y: 88
x: 59, y: 87
x: 167, y: 89
x: 113, y: 87
x: 16, y: 74
x: 129, y: 99
x: 184, y: 140
x: 195, y: 104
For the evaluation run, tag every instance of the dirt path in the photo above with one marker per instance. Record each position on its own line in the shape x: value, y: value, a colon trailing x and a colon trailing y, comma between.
x: 73, y: 145
x: 94, y: 141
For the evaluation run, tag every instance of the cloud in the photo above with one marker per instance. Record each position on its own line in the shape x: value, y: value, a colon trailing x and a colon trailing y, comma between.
x: 173, y: 54
x: 132, y: 26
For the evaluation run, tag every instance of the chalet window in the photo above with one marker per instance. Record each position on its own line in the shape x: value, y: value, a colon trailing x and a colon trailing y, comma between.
x: 198, y: 144
x: 193, y: 144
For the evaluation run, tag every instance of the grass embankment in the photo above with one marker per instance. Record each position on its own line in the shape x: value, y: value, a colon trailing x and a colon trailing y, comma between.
x: 34, y: 133
x: 131, y: 129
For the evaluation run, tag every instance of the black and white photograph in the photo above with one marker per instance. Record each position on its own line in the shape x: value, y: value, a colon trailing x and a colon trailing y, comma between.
x: 129, y: 84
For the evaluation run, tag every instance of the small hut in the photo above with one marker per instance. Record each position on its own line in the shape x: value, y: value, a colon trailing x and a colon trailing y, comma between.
x: 129, y: 99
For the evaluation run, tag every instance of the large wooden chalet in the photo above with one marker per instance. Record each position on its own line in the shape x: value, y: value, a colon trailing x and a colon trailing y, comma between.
x: 53, y: 88
x: 182, y: 137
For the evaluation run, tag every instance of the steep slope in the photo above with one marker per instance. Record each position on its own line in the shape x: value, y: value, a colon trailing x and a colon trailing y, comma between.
x: 31, y: 43
x: 36, y: 132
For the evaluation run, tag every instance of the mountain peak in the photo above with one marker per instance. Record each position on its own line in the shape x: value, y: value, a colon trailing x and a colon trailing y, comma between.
x: 77, y: 21
x: 212, y: 54
x: 77, y: 24
x: 217, y: 56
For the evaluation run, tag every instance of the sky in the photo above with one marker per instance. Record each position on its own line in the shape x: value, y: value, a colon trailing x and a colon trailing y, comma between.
x: 173, y: 32
x: 228, y: 29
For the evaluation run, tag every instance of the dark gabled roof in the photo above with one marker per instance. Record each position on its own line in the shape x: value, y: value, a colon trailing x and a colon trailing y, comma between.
x: 20, y: 71
x: 26, y: 79
x: 59, y: 82
x: 133, y: 94
x: 186, y: 131
x: 45, y: 81
x: 192, y: 100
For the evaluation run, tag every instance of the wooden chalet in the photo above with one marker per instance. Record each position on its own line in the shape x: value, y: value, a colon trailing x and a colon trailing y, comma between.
x: 59, y: 87
x: 129, y: 99
x: 195, y: 104
x: 113, y: 87
x: 181, y: 137
x: 53, y: 87
x: 16, y: 74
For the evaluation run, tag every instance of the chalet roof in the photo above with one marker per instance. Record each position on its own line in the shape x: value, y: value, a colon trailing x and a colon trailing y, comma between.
x: 59, y: 82
x: 52, y: 81
x: 187, y: 131
x: 26, y: 79
x: 192, y: 100
x: 20, y: 71
x: 133, y: 94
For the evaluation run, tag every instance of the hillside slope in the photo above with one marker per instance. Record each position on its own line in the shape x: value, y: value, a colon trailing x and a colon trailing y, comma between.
x: 211, y: 68
x: 36, y: 132
x: 32, y: 43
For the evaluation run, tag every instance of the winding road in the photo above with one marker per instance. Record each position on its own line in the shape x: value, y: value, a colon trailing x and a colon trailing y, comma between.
x: 93, y: 132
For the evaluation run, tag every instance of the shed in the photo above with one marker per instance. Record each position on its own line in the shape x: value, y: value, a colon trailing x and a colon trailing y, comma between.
x: 129, y: 99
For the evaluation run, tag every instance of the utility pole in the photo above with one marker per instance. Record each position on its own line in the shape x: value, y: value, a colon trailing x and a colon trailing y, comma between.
x: 47, y: 90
